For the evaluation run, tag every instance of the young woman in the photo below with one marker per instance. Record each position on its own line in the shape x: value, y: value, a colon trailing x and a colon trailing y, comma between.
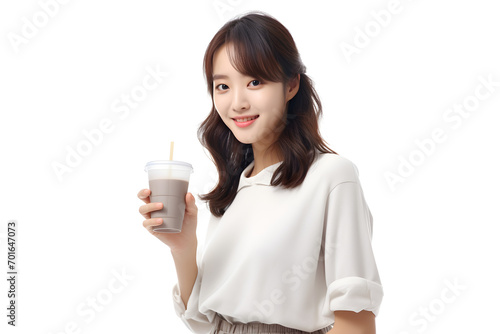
x: 288, y: 246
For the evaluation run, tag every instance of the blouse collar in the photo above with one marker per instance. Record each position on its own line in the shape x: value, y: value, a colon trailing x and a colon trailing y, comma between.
x: 263, y: 177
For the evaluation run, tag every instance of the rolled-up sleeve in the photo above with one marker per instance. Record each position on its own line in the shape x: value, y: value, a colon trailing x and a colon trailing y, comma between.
x: 351, y: 275
x: 190, y: 315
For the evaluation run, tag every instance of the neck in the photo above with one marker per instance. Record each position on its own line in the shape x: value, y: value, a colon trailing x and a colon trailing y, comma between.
x: 263, y: 159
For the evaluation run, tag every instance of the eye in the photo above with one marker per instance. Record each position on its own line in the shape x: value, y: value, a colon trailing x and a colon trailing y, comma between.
x: 254, y: 83
x: 221, y: 87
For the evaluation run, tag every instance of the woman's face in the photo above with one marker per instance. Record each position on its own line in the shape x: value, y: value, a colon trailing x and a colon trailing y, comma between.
x: 237, y: 96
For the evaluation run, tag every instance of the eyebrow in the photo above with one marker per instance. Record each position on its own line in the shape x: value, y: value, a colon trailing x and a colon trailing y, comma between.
x: 219, y: 76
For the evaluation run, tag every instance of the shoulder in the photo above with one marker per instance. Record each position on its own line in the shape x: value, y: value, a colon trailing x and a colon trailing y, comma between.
x: 335, y: 169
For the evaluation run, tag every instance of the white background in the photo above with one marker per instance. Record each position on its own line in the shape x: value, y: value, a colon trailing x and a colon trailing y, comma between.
x: 438, y: 225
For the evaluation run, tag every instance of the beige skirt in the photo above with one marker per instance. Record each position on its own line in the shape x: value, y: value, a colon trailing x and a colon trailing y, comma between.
x: 221, y: 326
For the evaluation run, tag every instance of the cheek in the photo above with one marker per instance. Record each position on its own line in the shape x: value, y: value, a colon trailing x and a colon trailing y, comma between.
x: 219, y: 104
x: 272, y: 97
x: 273, y: 102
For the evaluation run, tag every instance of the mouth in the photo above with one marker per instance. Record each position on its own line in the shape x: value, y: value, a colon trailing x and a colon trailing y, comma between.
x: 244, y: 121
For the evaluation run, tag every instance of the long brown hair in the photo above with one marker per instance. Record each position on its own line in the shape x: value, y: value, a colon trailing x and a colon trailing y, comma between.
x: 263, y: 48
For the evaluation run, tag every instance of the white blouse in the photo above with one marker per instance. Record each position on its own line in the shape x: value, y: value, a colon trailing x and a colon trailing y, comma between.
x: 287, y: 256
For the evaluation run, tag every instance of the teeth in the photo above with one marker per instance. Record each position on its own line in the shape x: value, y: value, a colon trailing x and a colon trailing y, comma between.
x: 245, y: 119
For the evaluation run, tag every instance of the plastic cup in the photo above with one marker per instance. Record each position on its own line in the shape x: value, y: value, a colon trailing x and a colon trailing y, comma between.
x: 168, y: 182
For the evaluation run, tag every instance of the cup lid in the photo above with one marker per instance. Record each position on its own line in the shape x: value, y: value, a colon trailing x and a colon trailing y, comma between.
x: 170, y: 164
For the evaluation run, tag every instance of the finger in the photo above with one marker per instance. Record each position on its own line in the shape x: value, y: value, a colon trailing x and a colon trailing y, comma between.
x: 146, y: 209
x: 150, y: 223
x: 144, y: 195
x: 191, y: 208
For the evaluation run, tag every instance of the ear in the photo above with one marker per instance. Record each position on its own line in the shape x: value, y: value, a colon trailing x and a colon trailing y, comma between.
x: 292, y: 87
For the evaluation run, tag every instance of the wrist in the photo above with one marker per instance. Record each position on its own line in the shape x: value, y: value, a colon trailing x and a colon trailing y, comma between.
x: 185, y: 251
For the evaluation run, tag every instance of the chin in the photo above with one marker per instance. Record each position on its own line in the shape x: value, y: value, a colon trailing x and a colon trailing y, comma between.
x: 244, y: 140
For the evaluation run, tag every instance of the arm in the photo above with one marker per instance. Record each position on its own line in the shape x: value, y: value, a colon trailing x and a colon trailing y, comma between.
x: 187, y: 270
x: 349, y: 322
x: 354, y: 290
x: 186, y: 292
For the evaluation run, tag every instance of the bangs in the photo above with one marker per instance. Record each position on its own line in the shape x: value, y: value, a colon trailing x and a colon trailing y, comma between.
x: 251, y: 54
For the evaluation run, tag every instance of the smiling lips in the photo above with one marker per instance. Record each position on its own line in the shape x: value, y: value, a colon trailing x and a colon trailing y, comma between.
x: 245, y: 121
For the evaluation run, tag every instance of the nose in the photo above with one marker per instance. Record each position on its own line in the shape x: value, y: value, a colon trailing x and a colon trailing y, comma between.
x: 240, y: 100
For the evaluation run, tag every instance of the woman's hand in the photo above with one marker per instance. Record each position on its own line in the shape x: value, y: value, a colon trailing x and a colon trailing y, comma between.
x: 177, y: 242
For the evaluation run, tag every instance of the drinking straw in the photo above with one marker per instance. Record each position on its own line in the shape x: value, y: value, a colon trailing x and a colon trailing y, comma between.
x: 171, y: 158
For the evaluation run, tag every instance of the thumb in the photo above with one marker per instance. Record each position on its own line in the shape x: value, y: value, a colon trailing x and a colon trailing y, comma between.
x: 191, y: 207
